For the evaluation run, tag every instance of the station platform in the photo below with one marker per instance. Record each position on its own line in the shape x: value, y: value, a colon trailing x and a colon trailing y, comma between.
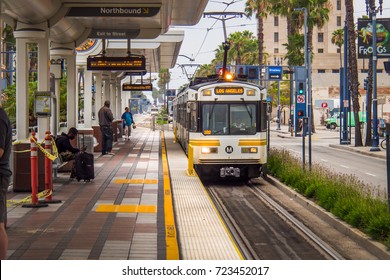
x: 141, y: 206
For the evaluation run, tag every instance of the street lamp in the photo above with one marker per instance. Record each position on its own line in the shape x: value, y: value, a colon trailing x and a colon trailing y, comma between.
x: 372, y: 11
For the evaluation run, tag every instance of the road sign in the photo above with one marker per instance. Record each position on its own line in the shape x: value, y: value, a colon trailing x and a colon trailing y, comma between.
x: 275, y: 72
x: 324, y: 105
x: 300, y: 99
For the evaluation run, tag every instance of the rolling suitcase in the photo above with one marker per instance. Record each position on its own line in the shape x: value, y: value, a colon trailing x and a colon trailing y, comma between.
x: 84, y: 168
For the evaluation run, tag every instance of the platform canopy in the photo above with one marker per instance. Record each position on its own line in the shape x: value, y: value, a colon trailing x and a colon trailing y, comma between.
x: 145, y: 22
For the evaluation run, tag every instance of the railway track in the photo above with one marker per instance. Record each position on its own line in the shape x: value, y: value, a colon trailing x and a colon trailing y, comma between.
x: 265, y: 227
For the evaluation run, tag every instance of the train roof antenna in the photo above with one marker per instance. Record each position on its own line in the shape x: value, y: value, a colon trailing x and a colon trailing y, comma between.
x: 224, y: 16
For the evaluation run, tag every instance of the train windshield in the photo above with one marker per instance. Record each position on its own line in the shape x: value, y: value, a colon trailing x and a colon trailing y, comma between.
x: 229, y: 119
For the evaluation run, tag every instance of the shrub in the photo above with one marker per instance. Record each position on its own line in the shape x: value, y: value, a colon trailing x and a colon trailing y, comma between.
x: 343, y: 195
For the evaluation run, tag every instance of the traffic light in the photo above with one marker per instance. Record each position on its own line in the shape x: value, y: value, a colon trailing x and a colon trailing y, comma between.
x: 301, y: 89
x: 301, y: 113
x: 365, y: 84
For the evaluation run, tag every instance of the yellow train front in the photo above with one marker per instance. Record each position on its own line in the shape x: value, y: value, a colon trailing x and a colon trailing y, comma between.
x: 222, y: 127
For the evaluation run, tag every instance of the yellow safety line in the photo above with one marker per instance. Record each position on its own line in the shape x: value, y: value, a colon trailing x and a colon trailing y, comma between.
x: 135, y: 181
x: 123, y: 208
x: 172, y: 249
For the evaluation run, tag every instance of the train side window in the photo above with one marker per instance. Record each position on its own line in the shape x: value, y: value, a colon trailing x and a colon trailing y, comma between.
x: 191, y: 109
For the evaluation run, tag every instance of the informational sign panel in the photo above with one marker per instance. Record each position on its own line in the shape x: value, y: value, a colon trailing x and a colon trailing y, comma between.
x: 42, y: 103
x: 275, y: 72
x: 365, y: 31
x: 127, y: 63
x: 137, y: 87
x: 114, y: 33
x: 113, y: 11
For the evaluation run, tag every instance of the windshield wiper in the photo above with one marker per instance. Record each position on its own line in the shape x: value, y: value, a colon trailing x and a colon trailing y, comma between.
x: 212, y: 110
x: 247, y: 109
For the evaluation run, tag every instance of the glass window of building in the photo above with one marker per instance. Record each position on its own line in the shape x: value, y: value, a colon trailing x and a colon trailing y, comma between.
x: 276, y: 21
x: 320, y: 37
x: 276, y: 37
x: 338, y: 4
x: 320, y: 50
x: 338, y: 20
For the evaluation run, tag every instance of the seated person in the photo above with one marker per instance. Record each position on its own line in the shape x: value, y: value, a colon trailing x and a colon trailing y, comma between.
x: 65, y: 148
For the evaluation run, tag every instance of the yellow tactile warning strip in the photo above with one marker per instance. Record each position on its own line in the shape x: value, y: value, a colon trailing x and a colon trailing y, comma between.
x: 136, y: 181
x: 172, y: 248
x: 126, y: 208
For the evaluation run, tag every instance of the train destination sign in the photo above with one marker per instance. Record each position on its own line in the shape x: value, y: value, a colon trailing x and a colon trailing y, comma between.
x: 228, y: 90
x: 127, y: 63
x: 113, y: 11
x: 137, y: 87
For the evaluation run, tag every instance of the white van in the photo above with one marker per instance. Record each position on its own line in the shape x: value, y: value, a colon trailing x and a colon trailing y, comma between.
x: 154, y: 111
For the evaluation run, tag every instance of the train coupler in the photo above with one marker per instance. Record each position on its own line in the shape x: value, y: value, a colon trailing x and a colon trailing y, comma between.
x: 229, y: 171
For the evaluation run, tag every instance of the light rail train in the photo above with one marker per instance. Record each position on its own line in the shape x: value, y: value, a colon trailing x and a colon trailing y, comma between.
x: 224, y: 122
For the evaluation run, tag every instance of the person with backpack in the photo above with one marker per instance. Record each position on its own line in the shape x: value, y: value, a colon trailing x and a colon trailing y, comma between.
x: 128, y: 122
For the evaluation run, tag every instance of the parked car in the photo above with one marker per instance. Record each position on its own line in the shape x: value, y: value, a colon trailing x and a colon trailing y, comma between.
x: 334, y: 120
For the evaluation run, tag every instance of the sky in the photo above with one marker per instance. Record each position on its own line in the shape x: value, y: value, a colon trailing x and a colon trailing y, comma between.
x: 201, y: 40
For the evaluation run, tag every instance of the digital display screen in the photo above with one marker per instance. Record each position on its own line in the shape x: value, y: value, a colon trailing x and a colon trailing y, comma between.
x: 137, y: 87
x: 228, y: 90
x: 128, y: 63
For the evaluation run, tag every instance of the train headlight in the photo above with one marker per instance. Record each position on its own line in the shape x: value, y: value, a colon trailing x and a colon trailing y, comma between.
x: 208, y: 150
x: 207, y: 92
x: 250, y: 92
x: 249, y: 150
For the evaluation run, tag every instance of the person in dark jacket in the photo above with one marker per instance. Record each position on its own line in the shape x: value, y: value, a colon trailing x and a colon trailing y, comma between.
x: 105, y: 121
x: 5, y: 174
x: 65, y: 148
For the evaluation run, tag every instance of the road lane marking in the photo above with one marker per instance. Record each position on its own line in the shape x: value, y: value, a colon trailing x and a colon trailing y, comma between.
x: 344, y: 166
x: 370, y: 174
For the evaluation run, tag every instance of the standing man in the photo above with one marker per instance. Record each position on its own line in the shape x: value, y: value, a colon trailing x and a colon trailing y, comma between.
x: 105, y: 122
x: 5, y: 174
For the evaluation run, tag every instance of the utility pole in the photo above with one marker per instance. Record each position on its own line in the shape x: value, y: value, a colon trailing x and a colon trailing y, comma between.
x: 224, y: 16
x: 308, y: 83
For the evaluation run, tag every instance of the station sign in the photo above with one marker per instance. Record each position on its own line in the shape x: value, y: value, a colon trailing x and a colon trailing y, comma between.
x: 136, y: 73
x: 275, y: 72
x: 137, y: 87
x: 228, y: 90
x: 114, y: 33
x: 365, y: 31
x: 113, y: 11
x: 127, y: 63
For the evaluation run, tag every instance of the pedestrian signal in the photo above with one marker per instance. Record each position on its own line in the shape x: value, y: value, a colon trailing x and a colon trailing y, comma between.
x: 301, y: 113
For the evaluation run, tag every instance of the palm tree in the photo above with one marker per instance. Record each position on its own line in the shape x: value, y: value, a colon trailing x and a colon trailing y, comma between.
x: 338, y: 40
x: 164, y: 78
x: 352, y: 69
x: 260, y: 8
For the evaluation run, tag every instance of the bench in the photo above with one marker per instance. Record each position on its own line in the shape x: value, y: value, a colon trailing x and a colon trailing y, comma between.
x: 57, y: 164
